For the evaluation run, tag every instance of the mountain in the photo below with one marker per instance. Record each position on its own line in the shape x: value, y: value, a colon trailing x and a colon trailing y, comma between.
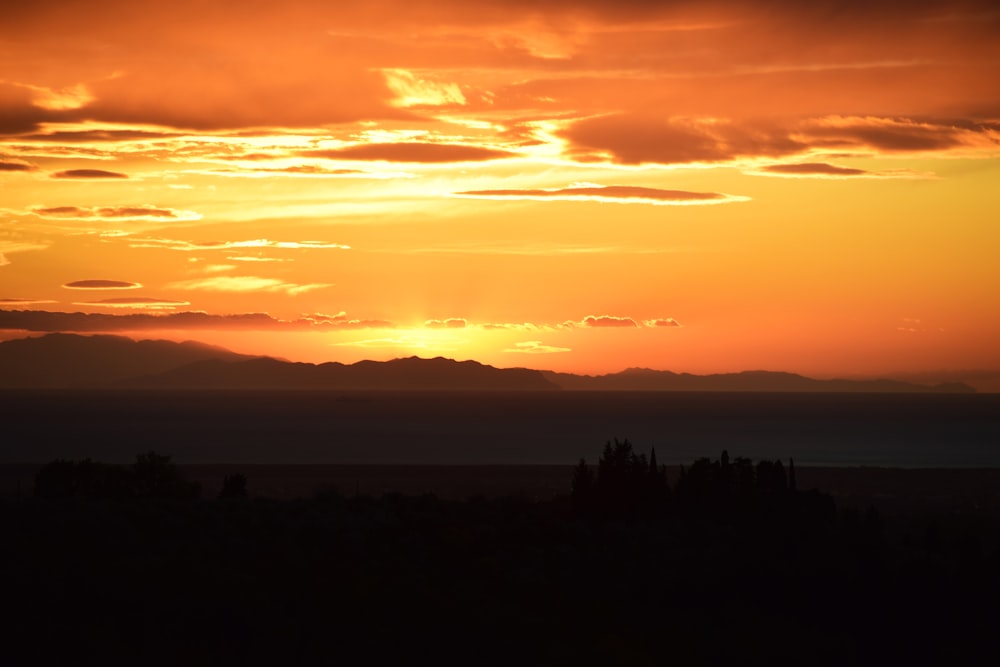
x: 100, y: 361
x: 68, y: 361
x: 644, y: 379
x: 399, y: 374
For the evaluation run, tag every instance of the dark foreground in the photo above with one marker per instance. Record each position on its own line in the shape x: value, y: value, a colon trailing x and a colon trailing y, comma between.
x: 755, y: 576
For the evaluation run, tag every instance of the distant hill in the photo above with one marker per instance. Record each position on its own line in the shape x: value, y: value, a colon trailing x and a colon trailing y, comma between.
x: 69, y: 361
x: 100, y: 361
x: 399, y: 374
x: 644, y: 379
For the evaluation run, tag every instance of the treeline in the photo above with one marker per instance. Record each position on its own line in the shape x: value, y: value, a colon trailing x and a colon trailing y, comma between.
x: 625, y: 483
x: 152, y: 475
x: 728, y: 563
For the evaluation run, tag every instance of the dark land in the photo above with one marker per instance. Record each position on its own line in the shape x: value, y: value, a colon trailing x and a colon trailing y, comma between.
x: 406, y: 521
x: 70, y: 361
x: 731, y: 562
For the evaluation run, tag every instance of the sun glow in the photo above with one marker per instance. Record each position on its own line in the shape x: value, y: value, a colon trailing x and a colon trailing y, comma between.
x: 684, y: 186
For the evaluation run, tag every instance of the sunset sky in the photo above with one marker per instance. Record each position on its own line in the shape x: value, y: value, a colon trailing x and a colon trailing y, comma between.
x: 584, y: 186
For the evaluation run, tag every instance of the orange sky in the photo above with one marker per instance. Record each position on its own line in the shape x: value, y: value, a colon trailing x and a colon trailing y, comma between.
x: 582, y: 186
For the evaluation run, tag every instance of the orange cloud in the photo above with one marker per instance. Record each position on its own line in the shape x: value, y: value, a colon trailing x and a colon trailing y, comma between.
x: 16, y: 165
x: 102, y: 284
x: 620, y: 194
x: 134, y: 302
x: 189, y: 246
x: 536, y: 347
x: 8, y: 303
x: 88, y: 173
x: 608, y: 321
x: 812, y: 169
x: 245, y: 284
x: 113, y: 213
x: 451, y: 323
x: 42, y: 320
x: 420, y: 152
x: 662, y: 322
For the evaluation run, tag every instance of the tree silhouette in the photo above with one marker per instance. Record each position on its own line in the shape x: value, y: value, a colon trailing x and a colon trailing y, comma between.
x: 626, y: 483
x: 234, y: 486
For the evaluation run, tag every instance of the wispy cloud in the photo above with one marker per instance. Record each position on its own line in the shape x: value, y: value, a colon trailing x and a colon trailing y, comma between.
x: 14, y: 303
x: 142, y: 303
x: 415, y: 152
x: 414, y: 91
x: 619, y: 194
x: 189, y: 246
x: 142, y: 212
x: 16, y: 165
x: 42, y: 320
x: 450, y: 323
x: 608, y: 321
x: 811, y: 169
x: 245, y: 284
x: 536, y: 347
x: 662, y: 322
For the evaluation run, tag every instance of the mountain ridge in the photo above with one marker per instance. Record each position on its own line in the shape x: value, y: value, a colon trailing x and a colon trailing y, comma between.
x: 71, y: 361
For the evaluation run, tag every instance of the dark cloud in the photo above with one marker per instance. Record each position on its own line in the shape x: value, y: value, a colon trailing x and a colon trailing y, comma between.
x: 101, y: 284
x: 901, y: 137
x: 7, y: 165
x: 813, y: 168
x: 114, y: 213
x: 412, y: 152
x: 630, y: 139
x: 88, y: 173
x: 42, y: 320
x: 608, y: 321
x: 619, y: 193
x: 89, y: 136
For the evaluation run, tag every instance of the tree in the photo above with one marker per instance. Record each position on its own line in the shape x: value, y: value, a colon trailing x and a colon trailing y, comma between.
x: 234, y: 486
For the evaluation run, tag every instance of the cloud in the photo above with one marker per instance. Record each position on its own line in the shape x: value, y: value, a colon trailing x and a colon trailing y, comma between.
x: 42, y: 320
x: 143, y: 212
x: 451, y: 323
x: 621, y: 194
x: 413, y: 91
x: 189, y: 246
x: 102, y: 284
x: 88, y: 173
x: 12, y: 245
x: 244, y: 284
x: 508, y: 326
x: 135, y: 302
x: 16, y: 165
x: 608, y: 321
x: 637, y: 139
x: 300, y: 171
x: 414, y: 151
x: 662, y: 322
x: 8, y: 303
x: 536, y: 347
x: 812, y: 169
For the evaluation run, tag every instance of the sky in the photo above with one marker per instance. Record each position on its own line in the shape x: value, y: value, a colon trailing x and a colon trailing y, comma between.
x: 578, y: 186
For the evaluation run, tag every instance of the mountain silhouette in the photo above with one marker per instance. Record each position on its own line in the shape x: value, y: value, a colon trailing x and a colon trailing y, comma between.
x: 399, y: 374
x: 645, y: 379
x: 69, y: 361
